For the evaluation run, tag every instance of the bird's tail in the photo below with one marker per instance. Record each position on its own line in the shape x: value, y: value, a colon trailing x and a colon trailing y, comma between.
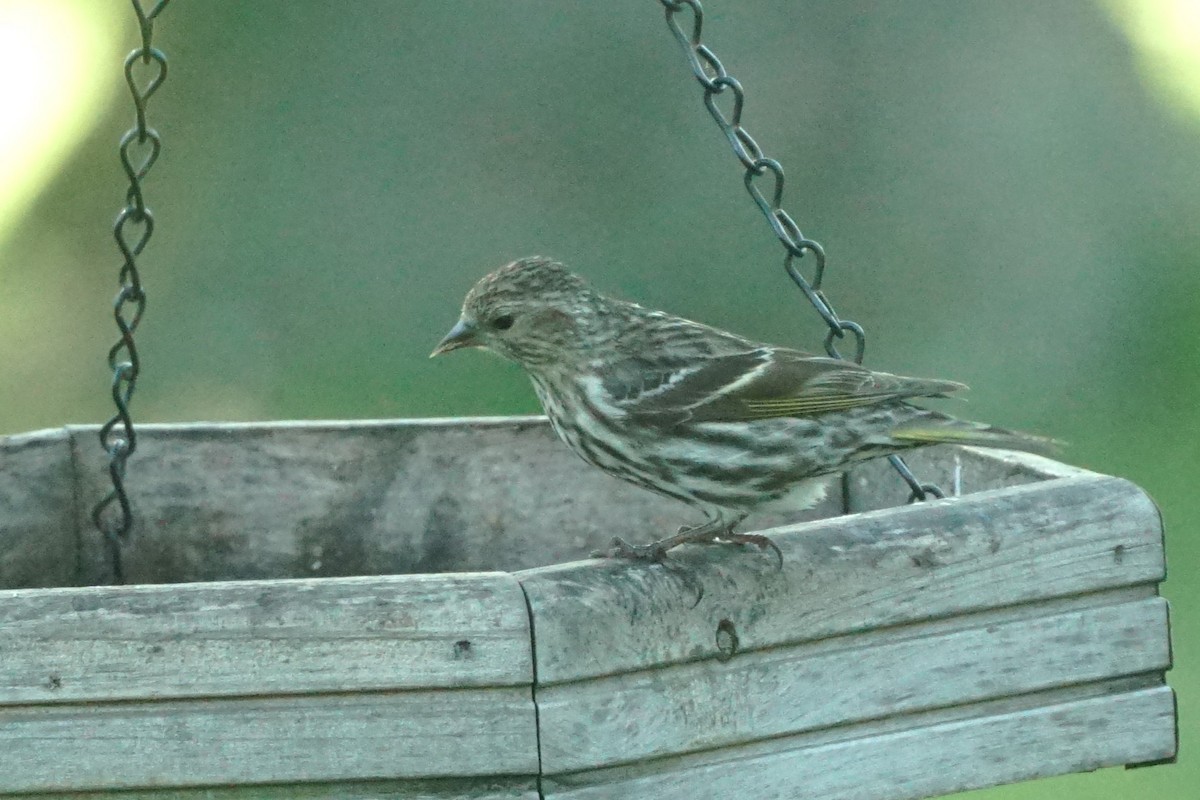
x: 941, y: 429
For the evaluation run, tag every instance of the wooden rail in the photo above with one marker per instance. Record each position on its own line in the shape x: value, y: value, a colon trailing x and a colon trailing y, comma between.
x: 272, y: 648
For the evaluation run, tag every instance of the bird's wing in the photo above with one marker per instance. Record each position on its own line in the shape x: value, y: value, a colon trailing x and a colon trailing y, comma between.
x: 760, y: 383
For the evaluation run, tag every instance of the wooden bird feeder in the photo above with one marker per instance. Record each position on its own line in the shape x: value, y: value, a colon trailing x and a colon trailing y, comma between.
x: 376, y: 610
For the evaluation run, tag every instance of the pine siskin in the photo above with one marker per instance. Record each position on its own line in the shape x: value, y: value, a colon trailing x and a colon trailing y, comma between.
x: 725, y: 424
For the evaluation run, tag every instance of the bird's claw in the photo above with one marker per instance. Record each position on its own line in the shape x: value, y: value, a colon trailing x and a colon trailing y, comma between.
x: 756, y: 539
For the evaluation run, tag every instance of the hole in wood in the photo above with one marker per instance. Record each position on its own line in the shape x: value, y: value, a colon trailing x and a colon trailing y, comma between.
x: 727, y: 640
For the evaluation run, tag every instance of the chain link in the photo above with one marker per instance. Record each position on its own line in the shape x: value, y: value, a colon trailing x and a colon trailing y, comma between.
x: 764, y: 181
x: 139, y: 149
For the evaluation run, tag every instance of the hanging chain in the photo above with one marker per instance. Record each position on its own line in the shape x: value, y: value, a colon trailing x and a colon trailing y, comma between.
x: 139, y: 149
x: 767, y: 173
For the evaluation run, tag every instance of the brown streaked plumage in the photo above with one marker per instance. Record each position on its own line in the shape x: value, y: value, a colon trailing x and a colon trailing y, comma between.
x: 720, y: 422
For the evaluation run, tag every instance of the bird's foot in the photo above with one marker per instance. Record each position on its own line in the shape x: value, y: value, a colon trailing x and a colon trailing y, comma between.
x: 756, y: 539
x: 708, y: 533
x: 655, y: 552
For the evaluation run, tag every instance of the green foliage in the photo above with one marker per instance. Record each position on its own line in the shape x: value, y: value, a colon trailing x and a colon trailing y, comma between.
x: 1003, y: 202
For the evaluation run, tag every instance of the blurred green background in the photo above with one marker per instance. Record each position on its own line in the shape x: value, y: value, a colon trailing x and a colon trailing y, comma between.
x: 1009, y: 194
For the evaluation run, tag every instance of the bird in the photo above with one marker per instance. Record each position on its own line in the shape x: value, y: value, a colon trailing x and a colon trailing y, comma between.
x: 725, y: 424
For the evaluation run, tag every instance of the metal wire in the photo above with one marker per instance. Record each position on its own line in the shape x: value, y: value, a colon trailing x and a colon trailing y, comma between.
x: 764, y: 179
x: 138, y: 149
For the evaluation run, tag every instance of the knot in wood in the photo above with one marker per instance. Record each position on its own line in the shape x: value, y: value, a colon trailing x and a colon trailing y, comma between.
x: 727, y: 640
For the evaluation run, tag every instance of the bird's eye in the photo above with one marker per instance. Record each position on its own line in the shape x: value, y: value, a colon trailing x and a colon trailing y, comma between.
x: 503, y: 322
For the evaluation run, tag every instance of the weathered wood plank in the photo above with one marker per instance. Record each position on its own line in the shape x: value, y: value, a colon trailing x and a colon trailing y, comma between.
x: 845, y: 575
x: 37, y: 510
x: 322, y: 499
x: 787, y: 690
x: 874, y: 484
x: 898, y: 654
x: 443, y: 789
x: 263, y: 637
x: 452, y: 733
x: 1075, y: 736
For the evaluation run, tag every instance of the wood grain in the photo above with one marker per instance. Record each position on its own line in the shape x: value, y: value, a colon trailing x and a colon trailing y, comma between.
x: 455, y: 732
x: 781, y: 691
x: 940, y: 758
x: 436, y: 789
x: 901, y: 652
x: 846, y: 575
x: 228, y: 501
x: 327, y: 499
x: 37, y: 510
x: 263, y: 637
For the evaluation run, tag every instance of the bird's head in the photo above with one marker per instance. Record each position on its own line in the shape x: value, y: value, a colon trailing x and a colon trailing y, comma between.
x: 532, y: 311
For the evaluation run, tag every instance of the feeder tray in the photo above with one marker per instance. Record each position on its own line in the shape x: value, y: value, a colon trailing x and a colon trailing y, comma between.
x: 272, y: 643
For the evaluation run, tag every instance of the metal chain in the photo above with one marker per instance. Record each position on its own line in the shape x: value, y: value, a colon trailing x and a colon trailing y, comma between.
x: 760, y: 169
x: 132, y: 230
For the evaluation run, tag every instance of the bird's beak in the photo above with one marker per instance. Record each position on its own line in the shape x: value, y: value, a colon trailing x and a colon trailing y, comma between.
x: 463, y: 334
